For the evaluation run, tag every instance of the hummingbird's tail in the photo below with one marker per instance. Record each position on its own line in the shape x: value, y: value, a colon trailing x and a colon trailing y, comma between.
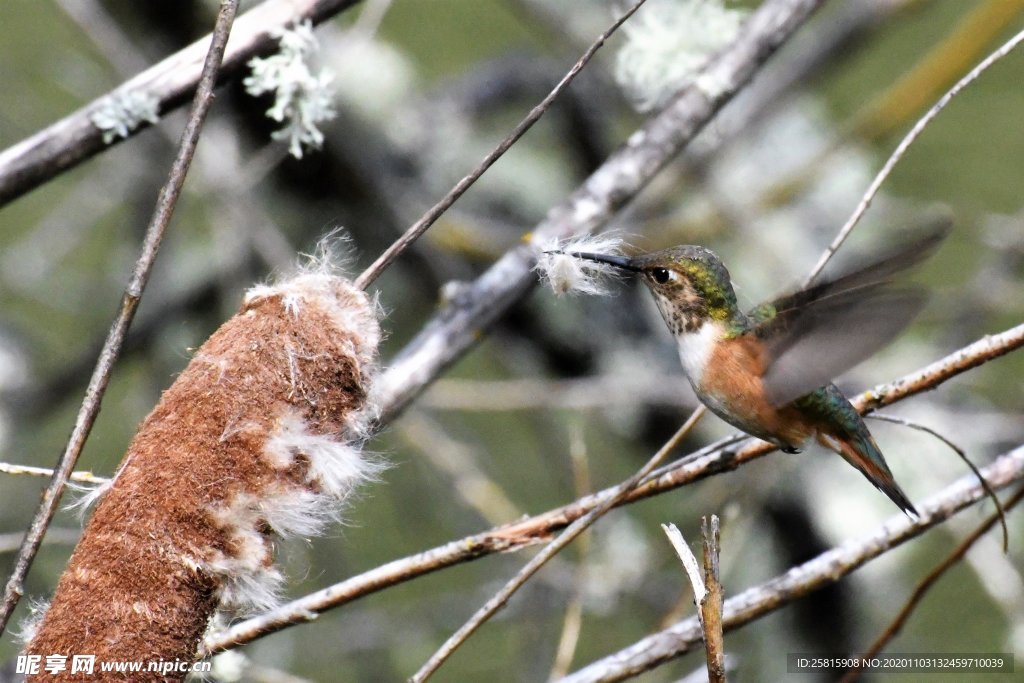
x: 860, y: 450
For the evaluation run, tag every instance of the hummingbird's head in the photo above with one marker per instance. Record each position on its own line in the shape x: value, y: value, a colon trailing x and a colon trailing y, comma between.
x: 689, y: 284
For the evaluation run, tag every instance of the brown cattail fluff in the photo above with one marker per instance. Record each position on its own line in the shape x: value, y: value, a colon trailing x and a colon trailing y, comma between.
x: 253, y: 439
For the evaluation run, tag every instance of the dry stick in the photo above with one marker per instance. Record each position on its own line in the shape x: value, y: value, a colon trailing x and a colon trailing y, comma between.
x: 711, y: 606
x: 459, y: 326
x: 798, y: 581
x: 70, y: 141
x: 928, y: 581
x: 1000, y: 513
x: 719, y: 457
x: 133, y: 293
x: 905, y: 143
x: 423, y: 224
x: 538, y: 561
x: 707, y: 597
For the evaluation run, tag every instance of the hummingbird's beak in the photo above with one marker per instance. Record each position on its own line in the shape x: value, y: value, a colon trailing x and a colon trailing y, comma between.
x: 623, y: 262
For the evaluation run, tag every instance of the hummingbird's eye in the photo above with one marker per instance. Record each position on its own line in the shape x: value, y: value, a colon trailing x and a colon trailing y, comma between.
x: 661, y: 275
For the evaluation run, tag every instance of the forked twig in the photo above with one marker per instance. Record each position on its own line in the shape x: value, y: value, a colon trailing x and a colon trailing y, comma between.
x: 367, y: 277
x: 707, y: 591
x: 129, y: 303
x: 538, y: 561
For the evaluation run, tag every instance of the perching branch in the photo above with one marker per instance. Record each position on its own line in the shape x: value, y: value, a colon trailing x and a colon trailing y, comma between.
x: 458, y: 326
x: 710, y: 460
x: 73, y: 139
x: 129, y: 303
x: 826, y: 568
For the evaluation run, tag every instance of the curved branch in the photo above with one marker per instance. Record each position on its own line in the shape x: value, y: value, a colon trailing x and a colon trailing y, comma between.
x: 717, y: 458
x: 70, y: 141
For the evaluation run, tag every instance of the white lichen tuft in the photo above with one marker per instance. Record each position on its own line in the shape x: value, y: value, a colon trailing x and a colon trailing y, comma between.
x: 567, y: 274
x: 121, y: 113
x: 667, y: 42
x: 302, y: 98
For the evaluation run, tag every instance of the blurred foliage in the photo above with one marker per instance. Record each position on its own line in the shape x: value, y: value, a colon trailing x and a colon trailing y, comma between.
x: 442, y: 82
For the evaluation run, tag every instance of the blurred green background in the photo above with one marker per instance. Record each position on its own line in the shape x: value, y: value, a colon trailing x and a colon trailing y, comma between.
x: 420, y: 99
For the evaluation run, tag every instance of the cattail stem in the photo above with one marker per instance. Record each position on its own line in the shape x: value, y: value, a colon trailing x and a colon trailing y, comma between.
x: 252, y: 440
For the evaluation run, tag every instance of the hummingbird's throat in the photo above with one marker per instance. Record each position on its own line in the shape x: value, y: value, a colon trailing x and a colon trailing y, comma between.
x: 683, y: 313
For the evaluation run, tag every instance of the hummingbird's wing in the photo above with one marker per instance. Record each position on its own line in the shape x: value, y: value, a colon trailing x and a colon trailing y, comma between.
x: 814, y: 335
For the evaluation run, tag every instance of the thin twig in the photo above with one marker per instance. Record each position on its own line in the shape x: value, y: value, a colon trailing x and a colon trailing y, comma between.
x: 929, y: 580
x: 1000, y: 513
x: 798, y: 581
x: 711, y: 605
x: 423, y: 224
x: 84, y: 477
x: 538, y: 561
x: 722, y: 456
x: 74, y: 139
x: 129, y: 303
x: 905, y: 143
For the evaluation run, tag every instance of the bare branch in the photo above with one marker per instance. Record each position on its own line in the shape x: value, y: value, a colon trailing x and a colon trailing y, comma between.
x: 826, y: 568
x: 423, y: 224
x: 133, y: 294
x: 719, y: 457
x: 73, y: 139
x: 458, y: 326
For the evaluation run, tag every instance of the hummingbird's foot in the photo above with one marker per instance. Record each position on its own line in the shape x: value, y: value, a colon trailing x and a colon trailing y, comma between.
x: 790, y: 449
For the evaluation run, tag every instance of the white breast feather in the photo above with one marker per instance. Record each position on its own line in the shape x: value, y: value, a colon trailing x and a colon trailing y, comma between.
x: 695, y: 350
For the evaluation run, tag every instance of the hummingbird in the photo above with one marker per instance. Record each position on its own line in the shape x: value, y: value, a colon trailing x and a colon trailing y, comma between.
x: 769, y: 371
